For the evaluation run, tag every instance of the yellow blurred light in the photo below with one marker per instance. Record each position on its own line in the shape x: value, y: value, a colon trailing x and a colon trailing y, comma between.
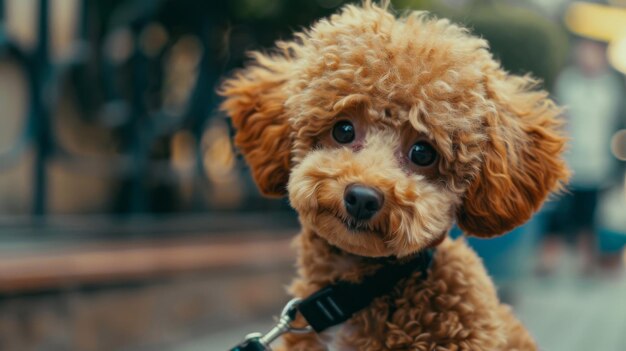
x: 152, y: 39
x: 618, y: 145
x: 218, y: 157
x: 596, y: 21
x: 186, y: 52
x: 181, y: 73
x: 182, y: 149
x: 617, y: 54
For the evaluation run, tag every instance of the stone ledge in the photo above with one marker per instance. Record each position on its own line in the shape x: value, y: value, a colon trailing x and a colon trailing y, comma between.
x: 155, y: 315
x: 110, y: 262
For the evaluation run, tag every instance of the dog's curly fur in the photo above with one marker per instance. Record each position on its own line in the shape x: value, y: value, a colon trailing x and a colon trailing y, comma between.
x: 399, y: 80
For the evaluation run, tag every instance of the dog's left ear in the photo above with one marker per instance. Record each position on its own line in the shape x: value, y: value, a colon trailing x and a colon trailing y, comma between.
x: 255, y: 100
x: 521, y: 157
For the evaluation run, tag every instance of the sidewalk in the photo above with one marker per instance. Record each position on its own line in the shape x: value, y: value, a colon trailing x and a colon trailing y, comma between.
x: 575, y: 313
x: 565, y: 312
x: 224, y: 340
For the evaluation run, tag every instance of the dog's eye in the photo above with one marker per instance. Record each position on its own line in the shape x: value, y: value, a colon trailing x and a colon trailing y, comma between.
x: 423, y: 154
x: 343, y: 132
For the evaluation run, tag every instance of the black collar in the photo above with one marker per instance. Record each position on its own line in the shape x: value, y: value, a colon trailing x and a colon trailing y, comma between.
x: 337, y: 302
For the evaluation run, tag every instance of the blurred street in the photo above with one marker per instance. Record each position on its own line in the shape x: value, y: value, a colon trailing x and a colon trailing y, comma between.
x: 564, y: 312
x: 572, y: 313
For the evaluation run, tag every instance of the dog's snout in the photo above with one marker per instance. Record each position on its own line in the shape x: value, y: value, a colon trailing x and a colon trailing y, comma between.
x: 362, y: 202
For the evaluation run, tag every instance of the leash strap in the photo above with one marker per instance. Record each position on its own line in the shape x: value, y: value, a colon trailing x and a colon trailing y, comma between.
x: 338, y: 302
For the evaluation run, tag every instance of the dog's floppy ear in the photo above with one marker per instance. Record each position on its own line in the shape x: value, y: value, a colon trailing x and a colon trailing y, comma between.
x: 521, y: 157
x: 255, y: 103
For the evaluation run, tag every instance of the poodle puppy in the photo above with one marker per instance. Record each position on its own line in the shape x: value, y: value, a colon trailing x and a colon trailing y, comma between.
x: 384, y: 131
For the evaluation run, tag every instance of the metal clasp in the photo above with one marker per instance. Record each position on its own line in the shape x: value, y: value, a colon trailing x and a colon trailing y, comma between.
x: 258, y: 341
x: 287, y: 316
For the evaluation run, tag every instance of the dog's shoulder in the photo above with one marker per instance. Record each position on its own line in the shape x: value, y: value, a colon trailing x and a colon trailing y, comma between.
x: 456, y: 304
x: 456, y: 262
x: 458, y: 274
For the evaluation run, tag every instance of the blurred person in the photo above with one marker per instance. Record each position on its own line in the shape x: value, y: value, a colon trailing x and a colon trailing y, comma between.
x: 612, y: 226
x: 592, y: 94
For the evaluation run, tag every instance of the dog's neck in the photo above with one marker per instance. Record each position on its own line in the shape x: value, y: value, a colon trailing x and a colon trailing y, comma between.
x: 322, y: 263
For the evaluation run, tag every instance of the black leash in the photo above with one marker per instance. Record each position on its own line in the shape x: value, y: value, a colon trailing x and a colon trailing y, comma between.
x: 338, y: 302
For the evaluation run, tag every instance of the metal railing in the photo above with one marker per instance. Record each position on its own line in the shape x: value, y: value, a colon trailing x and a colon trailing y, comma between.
x: 92, y: 75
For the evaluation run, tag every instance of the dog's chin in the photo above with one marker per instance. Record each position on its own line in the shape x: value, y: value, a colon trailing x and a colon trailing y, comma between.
x: 359, y: 240
x: 350, y: 237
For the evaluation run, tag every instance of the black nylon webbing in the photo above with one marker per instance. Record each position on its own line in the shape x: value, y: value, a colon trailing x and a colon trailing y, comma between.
x: 337, y: 302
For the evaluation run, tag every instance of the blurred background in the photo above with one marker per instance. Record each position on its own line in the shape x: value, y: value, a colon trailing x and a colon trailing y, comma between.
x: 128, y: 222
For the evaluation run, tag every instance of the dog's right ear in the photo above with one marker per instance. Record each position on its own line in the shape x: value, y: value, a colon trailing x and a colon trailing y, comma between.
x: 522, y: 161
x: 255, y: 102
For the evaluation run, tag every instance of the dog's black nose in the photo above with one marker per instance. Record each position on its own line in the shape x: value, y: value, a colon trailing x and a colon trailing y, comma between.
x: 362, y: 202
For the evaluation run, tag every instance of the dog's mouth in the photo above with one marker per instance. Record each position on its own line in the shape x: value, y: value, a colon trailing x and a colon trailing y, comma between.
x: 353, y: 225
x: 365, y: 238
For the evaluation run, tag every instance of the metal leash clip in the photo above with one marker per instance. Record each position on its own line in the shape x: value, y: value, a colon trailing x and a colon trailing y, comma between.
x: 261, y: 342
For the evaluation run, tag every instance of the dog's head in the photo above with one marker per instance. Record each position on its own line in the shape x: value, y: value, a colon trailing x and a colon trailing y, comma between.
x: 383, y: 131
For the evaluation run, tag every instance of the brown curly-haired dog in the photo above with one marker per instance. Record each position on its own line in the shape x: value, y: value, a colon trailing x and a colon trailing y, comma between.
x: 383, y: 132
